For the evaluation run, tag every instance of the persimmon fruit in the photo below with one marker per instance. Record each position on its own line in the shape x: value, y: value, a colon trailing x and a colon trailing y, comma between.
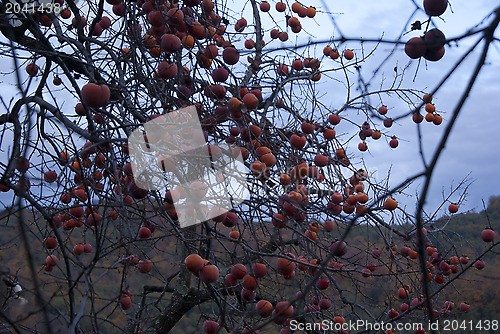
x: 453, y: 208
x: 145, y: 266
x: 280, y: 6
x: 265, y: 6
x: 435, y: 7
x: 488, y: 235
x: 264, y: 308
x: 390, y: 204
x: 209, y: 273
x: 415, y: 48
x: 194, y: 263
x: 95, y: 95
x: 348, y: 54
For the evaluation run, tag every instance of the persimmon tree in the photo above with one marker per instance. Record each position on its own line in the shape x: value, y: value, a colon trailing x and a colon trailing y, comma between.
x: 104, y: 255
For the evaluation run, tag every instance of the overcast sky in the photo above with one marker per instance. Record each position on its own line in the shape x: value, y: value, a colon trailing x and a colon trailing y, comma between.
x: 473, y: 148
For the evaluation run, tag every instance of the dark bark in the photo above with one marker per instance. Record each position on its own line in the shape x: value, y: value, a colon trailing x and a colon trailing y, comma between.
x: 179, y: 306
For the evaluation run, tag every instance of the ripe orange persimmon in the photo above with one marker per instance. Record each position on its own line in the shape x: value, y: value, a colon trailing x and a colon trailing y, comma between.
x: 257, y: 167
x: 283, y: 309
x: 453, y: 208
x: 250, y: 101
x: 302, y: 12
x: 434, y: 55
x: 194, y: 263
x: 81, y: 194
x: 417, y: 118
x: 155, y: 51
x: 435, y: 7
x: 80, y: 109
x: 334, y: 119
x: 362, y: 197
x: 32, y: 69
x: 188, y: 41
x: 415, y: 47
x: 334, y: 54
x: 280, y: 6
x: 50, y: 243
x: 76, y: 211
x: 93, y: 219
x: 167, y: 70
x: 283, y: 36
x: 209, y: 273
x: 234, y: 234
x: 144, y: 233
x: 249, y: 282
x: 51, y: 260
x: 95, y: 95
x: 340, y: 153
x: 293, y: 21
x: 402, y: 293
x: 393, y: 142
x: 339, y: 320
x: 264, y: 308
x: 66, y: 14
x: 269, y: 159
x: 128, y: 199
x: 316, y: 76
x: 265, y: 6
x: 259, y: 270
x: 149, y: 41
x: 321, y: 161
x: 297, y: 142
x: 311, y: 12
x: 197, y: 30
x: 390, y: 204
x: 50, y: 176
x: 145, y: 266
x: 488, y: 235
x: 261, y: 151
x: 274, y: 33
x: 78, y: 249
x: 311, y: 235
x: 329, y: 134
x: 348, y: 54
x: 285, y: 179
x: 328, y: 225
x: 113, y: 215
x: 427, y: 98
x: 285, y: 266
x: 297, y: 65
x: 429, y: 107
x: 125, y: 302
x: 282, y: 69
x: 296, y: 7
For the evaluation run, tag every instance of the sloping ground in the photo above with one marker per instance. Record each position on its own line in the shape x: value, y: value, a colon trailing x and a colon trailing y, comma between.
x: 458, y: 235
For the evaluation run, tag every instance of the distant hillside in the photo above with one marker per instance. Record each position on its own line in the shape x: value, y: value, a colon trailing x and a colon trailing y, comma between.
x: 453, y: 235
x: 457, y: 235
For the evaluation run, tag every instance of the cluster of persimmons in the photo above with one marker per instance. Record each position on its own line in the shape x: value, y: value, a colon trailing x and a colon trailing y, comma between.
x: 194, y: 55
